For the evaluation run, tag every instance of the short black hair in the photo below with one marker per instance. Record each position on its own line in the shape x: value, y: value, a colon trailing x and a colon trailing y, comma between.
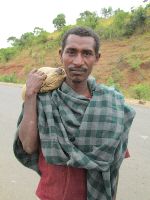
x: 82, y: 32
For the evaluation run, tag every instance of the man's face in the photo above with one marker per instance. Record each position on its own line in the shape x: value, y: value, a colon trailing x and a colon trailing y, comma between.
x: 78, y: 58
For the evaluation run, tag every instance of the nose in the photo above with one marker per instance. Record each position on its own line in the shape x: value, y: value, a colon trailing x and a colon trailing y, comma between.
x: 78, y: 60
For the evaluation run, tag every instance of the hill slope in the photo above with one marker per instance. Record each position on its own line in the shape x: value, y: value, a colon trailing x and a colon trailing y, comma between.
x: 124, y: 63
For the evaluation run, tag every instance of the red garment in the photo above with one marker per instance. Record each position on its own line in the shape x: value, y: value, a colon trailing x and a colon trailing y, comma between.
x: 127, y: 154
x: 61, y: 182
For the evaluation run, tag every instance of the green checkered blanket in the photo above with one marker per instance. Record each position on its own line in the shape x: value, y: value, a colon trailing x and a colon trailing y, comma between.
x: 84, y: 133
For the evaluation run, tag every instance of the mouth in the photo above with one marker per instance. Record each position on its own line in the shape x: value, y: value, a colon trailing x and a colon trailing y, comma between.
x: 78, y: 71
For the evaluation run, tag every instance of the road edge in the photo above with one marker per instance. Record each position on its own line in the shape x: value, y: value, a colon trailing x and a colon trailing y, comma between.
x: 127, y: 100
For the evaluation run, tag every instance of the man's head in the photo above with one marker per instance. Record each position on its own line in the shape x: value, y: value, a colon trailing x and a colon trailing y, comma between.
x: 82, y: 32
x: 79, y: 53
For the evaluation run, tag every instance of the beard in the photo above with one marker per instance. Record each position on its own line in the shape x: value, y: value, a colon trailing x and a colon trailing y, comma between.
x: 77, y: 81
x: 77, y: 74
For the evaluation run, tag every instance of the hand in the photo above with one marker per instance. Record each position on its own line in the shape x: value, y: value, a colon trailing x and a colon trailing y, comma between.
x: 34, y: 82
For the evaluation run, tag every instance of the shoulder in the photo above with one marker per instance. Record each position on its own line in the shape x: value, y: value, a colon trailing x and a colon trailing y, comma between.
x: 110, y: 91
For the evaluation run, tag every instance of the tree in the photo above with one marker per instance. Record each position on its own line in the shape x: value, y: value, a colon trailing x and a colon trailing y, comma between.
x: 15, y: 42
x: 59, y: 22
x: 137, y: 21
x: 139, y: 16
x: 37, y: 31
x: 41, y: 36
x: 107, y: 12
x: 119, y: 22
x: 88, y: 19
x: 7, y: 53
x: 12, y: 40
x: 26, y: 39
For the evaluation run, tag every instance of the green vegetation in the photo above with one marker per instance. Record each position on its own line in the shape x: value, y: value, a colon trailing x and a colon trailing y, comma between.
x: 135, y: 63
x: 111, y: 82
x: 59, y: 22
x: 114, y: 79
x: 128, y: 36
x: 7, y: 54
x: 88, y: 19
x: 29, y: 39
x: 12, y: 78
x: 111, y: 24
x: 141, y: 91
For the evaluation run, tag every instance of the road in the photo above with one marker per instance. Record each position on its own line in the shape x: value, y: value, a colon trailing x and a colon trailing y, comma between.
x: 19, y: 183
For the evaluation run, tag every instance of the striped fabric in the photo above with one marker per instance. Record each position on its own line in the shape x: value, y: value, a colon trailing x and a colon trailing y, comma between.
x: 84, y: 133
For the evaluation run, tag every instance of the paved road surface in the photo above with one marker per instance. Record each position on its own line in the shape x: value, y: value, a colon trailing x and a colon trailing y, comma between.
x: 19, y: 183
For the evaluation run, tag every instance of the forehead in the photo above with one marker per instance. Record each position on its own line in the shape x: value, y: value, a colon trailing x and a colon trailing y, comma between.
x: 78, y: 42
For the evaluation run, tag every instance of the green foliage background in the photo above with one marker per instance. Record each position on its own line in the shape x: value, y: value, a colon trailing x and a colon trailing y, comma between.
x: 110, y: 25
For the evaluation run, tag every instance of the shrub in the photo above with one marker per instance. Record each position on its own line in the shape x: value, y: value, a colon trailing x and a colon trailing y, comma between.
x: 135, y: 63
x: 12, y: 78
x: 7, y: 53
x: 113, y: 83
x: 141, y: 91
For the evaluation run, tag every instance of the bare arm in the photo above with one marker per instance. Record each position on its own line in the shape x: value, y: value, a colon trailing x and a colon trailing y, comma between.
x: 28, y: 132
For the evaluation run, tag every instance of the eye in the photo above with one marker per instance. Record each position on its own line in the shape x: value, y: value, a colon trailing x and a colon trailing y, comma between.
x: 71, y: 52
x: 87, y: 53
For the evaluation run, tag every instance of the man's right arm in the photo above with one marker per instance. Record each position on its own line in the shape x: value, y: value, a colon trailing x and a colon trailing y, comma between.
x: 28, y: 131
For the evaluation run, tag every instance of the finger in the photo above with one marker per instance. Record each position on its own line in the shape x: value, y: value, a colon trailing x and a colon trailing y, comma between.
x: 40, y: 72
x: 44, y: 76
x: 33, y: 70
x: 41, y: 76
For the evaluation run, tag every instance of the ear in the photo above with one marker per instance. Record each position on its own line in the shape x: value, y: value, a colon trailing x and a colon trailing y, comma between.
x: 60, y: 54
x: 98, y: 57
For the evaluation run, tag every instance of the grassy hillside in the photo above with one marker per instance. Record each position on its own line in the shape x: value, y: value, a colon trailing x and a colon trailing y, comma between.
x: 124, y: 63
x: 125, y: 50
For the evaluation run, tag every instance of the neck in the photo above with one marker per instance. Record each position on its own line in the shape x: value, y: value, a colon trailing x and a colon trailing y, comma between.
x: 80, y: 87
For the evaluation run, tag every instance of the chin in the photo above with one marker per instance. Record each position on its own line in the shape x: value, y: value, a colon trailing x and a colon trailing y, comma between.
x: 77, y: 81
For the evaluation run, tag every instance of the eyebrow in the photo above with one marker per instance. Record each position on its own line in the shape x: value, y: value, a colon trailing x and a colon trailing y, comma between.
x: 74, y: 49
x: 70, y: 48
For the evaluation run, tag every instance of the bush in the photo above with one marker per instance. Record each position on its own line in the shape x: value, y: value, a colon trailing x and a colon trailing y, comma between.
x: 135, y: 63
x: 12, y: 78
x: 141, y: 91
x: 7, y: 53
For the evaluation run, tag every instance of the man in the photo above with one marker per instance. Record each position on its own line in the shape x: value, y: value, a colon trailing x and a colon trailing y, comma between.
x: 76, y: 136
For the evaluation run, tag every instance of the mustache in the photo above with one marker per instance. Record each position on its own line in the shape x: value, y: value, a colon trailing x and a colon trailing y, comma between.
x: 77, y: 69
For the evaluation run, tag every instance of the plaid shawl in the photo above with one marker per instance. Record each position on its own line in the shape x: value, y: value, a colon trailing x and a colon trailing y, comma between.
x: 84, y: 133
